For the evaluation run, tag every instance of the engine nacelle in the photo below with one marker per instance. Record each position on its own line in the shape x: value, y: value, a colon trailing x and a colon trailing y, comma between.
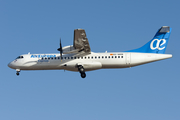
x: 69, y: 49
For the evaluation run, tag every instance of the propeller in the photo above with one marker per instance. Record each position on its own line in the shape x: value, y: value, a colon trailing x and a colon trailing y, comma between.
x: 60, y: 49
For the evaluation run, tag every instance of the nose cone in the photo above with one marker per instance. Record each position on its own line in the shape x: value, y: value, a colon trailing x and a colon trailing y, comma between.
x: 11, y: 65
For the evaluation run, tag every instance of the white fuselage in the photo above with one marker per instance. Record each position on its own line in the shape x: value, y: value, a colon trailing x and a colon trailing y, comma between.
x: 90, y: 62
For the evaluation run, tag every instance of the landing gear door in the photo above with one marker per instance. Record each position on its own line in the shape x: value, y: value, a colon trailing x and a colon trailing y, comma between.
x: 128, y: 59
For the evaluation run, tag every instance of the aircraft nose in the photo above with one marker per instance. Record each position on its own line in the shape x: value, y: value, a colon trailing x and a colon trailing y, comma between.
x: 10, y: 65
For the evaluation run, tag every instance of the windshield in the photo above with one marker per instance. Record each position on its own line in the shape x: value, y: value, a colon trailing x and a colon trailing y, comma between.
x: 19, y: 57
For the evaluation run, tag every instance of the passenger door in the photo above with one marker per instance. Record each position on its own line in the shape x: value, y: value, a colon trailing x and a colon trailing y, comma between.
x: 128, y: 59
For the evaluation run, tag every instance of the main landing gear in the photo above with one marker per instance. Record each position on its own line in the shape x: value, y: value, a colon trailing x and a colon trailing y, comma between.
x: 82, y: 71
x: 17, y: 72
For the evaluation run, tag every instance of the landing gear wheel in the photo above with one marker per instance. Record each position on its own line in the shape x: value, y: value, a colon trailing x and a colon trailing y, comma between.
x: 81, y: 69
x: 17, y: 73
x: 83, y: 75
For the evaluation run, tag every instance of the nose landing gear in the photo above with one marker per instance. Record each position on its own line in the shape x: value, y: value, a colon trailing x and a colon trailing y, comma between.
x: 17, y: 72
x: 82, y: 71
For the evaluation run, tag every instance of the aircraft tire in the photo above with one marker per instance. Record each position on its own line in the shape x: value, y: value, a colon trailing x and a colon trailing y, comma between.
x: 81, y: 69
x: 83, y: 75
x: 17, y: 73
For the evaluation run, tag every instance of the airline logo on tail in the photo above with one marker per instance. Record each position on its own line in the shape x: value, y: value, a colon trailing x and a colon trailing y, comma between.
x: 158, y: 44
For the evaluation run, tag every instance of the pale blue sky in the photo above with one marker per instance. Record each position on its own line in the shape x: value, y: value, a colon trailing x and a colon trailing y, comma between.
x: 146, y: 92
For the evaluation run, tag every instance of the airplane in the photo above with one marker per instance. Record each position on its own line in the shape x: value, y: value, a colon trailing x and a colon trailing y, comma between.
x: 78, y: 57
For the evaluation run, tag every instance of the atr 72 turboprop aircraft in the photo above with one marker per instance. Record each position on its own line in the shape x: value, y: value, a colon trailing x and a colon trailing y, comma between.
x: 78, y: 57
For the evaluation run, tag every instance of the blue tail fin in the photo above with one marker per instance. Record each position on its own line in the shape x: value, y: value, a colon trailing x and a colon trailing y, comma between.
x: 158, y: 44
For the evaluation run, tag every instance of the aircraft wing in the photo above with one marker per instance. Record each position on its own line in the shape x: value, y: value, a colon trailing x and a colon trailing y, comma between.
x: 81, y: 43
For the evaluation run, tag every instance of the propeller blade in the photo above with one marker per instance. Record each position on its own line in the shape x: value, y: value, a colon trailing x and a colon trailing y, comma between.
x: 60, y: 44
x: 60, y: 49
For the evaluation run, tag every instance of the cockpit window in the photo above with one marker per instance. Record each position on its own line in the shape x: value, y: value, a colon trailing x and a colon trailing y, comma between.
x: 19, y: 57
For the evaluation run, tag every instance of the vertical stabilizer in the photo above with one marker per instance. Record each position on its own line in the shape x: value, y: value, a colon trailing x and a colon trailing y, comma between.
x: 158, y: 44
